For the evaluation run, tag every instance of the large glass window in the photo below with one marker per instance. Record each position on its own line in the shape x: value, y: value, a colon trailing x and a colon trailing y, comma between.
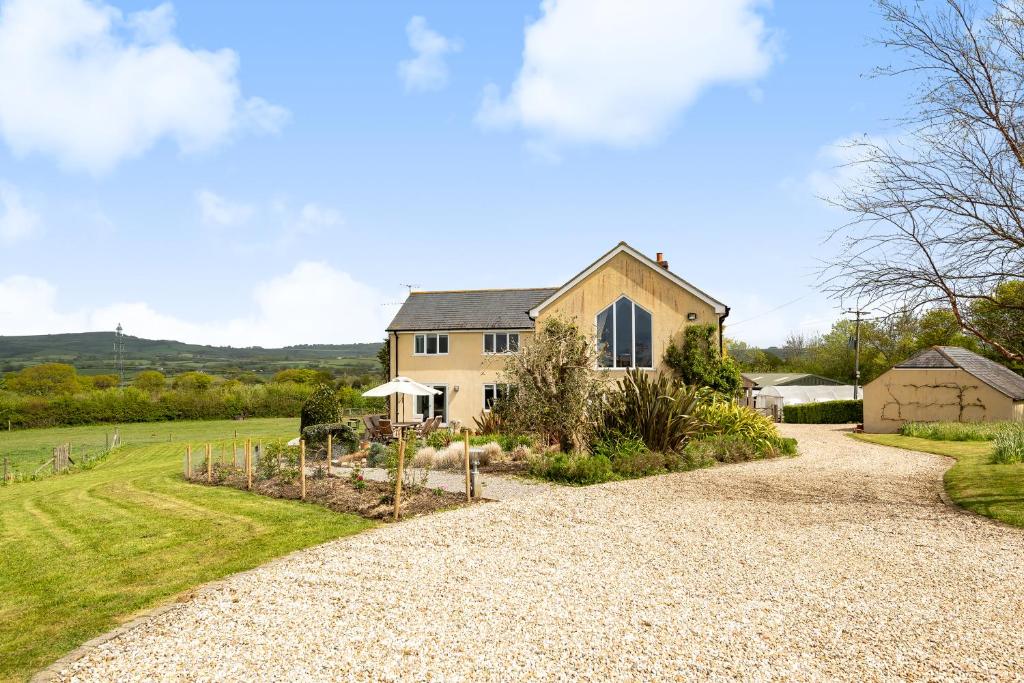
x: 501, y: 342
x: 624, y: 336
x: 430, y: 344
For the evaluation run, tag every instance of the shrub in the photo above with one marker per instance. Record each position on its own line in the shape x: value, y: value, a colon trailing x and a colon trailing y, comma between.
x: 491, y: 452
x: 192, y: 381
x: 507, y: 441
x: 377, y: 455
x: 727, y: 418
x: 451, y: 458
x: 424, y: 457
x: 1009, y: 445
x: 345, y: 438
x: 320, y: 408
x: 278, y: 450
x: 573, y: 468
x: 47, y: 379
x: 658, y: 412
x: 488, y: 422
x: 955, y: 431
x: 104, y: 381
x: 150, y: 380
x: 699, y: 362
x: 826, y: 412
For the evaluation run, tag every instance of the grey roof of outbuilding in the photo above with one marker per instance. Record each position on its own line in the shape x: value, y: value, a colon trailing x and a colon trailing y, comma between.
x: 479, y: 309
x: 999, y: 377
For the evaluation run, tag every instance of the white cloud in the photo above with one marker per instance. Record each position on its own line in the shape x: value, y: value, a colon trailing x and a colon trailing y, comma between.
x: 314, y: 303
x: 90, y: 86
x: 598, y: 71
x: 215, y: 210
x: 17, y: 221
x: 427, y: 70
x: 837, y: 165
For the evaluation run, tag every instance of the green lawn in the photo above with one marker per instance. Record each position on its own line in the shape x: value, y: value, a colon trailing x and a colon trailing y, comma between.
x: 996, y: 491
x: 83, y: 552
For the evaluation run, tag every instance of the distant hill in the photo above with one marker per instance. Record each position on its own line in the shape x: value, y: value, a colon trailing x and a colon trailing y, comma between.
x: 93, y: 353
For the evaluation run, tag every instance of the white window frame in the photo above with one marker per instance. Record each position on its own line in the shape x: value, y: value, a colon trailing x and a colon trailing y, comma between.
x: 494, y: 342
x: 438, y: 335
x: 483, y: 392
x: 615, y: 335
x: 447, y: 401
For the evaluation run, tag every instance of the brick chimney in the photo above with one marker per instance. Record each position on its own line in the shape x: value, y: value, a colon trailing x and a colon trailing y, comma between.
x: 661, y: 260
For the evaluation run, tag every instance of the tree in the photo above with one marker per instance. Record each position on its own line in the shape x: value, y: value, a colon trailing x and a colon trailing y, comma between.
x: 1001, y: 317
x: 192, y: 381
x: 302, y: 376
x: 751, y: 359
x: 150, y: 380
x: 699, y: 362
x: 47, y: 379
x: 557, y: 390
x: 384, y: 357
x: 938, y: 214
x: 320, y: 408
x: 104, y: 381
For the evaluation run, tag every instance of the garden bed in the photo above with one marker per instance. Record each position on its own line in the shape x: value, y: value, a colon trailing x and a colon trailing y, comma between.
x: 370, y: 499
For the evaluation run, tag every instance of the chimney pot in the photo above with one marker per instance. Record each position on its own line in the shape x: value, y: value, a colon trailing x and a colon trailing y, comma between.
x: 661, y: 260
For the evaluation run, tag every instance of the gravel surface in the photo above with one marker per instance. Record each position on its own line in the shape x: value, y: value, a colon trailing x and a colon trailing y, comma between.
x: 493, y: 486
x: 839, y: 564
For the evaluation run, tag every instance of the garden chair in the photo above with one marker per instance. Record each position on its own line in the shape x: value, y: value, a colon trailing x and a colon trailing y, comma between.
x: 370, y: 426
x: 385, y: 432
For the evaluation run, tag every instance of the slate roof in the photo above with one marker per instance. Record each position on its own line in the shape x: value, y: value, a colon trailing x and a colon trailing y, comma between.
x: 480, y: 309
x: 999, y: 377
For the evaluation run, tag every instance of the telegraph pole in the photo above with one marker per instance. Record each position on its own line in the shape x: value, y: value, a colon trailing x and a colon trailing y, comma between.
x: 856, y: 352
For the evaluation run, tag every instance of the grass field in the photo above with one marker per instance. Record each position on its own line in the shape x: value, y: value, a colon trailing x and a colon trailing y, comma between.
x: 85, y: 551
x: 996, y: 491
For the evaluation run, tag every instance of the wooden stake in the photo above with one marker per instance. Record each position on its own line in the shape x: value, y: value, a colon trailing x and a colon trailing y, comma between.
x: 398, y: 482
x: 188, y: 459
x: 302, y: 467
x: 234, y: 447
x: 330, y: 450
x: 465, y: 439
x: 209, y: 466
x: 248, y: 464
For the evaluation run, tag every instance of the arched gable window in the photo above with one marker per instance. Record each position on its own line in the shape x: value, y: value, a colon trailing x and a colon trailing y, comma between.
x: 624, y: 336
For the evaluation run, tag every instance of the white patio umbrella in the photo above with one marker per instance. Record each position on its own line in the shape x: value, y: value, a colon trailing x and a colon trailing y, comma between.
x: 401, y: 385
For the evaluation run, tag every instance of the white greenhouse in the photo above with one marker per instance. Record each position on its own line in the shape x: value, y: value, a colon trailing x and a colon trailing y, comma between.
x: 771, y: 399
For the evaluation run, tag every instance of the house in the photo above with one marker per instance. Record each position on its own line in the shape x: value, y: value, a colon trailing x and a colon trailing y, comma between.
x: 943, y: 384
x: 455, y: 341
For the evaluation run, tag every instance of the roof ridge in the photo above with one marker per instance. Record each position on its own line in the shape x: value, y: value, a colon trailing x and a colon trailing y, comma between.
x: 469, y: 291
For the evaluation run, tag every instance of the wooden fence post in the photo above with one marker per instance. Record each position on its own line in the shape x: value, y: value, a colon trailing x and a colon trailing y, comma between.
x: 302, y: 467
x: 234, y: 446
x: 330, y: 452
x: 465, y: 440
x: 398, y: 481
x: 6, y: 466
x: 248, y: 464
x: 188, y: 458
x: 209, y: 466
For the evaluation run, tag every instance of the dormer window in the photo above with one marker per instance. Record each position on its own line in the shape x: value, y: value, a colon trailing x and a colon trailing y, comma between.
x: 624, y: 336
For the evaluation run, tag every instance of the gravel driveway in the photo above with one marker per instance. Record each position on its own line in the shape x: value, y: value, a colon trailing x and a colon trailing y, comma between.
x: 840, y: 564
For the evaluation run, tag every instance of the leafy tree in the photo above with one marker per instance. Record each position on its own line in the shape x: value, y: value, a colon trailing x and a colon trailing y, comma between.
x: 320, y: 408
x: 150, y: 380
x: 104, y: 381
x: 558, y: 391
x: 751, y: 359
x: 193, y: 381
x: 698, y: 361
x: 1000, y: 317
x: 302, y: 376
x: 384, y: 356
x: 47, y: 379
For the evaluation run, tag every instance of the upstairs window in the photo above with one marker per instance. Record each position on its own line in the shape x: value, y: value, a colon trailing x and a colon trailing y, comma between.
x: 624, y: 336
x: 430, y: 345
x: 501, y: 342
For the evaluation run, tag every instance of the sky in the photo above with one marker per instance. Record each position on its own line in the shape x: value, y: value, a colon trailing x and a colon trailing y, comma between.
x: 268, y: 173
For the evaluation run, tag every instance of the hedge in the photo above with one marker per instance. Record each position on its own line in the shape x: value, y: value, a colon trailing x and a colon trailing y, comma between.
x: 827, y: 412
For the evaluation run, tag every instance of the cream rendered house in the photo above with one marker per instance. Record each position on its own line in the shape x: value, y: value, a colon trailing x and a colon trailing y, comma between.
x: 457, y: 341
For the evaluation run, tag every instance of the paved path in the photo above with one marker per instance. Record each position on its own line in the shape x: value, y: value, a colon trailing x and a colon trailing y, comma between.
x: 841, y: 564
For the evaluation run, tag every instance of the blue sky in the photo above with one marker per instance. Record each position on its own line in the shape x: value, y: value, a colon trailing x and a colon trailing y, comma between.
x: 275, y: 174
